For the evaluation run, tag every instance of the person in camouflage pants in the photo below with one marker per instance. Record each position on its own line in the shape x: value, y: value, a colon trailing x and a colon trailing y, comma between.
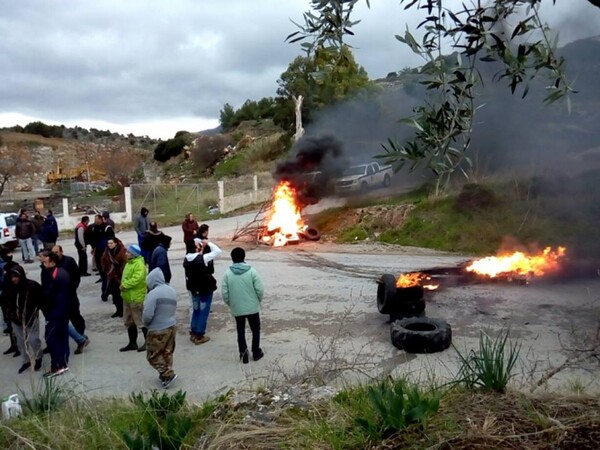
x: 160, y: 346
x: 159, y: 317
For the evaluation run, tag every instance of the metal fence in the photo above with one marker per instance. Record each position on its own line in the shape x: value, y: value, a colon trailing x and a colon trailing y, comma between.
x: 169, y: 203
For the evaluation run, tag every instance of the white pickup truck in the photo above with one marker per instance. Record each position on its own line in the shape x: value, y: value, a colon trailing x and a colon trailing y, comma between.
x: 363, y: 177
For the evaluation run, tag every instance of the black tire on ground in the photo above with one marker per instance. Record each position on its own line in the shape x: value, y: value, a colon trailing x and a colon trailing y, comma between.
x: 386, y: 293
x: 421, y: 335
x: 408, y: 308
x: 386, y: 181
x: 312, y: 234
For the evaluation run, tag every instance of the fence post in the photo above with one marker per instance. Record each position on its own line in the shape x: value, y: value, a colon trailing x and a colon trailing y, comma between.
x: 221, y: 195
x: 255, y: 186
x: 128, y: 204
x: 65, y: 207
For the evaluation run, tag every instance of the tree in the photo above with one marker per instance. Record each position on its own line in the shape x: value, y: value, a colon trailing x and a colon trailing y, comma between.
x: 14, y: 161
x: 444, y: 122
x: 226, y: 117
x: 120, y: 164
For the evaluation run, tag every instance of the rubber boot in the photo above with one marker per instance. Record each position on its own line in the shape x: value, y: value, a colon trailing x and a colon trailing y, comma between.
x: 13, y: 346
x: 145, y: 333
x: 132, y: 332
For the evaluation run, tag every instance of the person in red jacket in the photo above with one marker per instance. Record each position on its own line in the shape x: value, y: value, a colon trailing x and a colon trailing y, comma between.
x: 190, y: 231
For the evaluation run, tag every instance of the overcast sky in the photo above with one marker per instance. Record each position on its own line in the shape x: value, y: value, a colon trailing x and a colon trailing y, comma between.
x: 154, y: 67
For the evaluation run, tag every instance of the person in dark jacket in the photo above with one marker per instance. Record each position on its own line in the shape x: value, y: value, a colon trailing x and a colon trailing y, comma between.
x: 159, y: 317
x: 57, y: 307
x: 7, y: 263
x: 24, y: 231
x: 113, y: 263
x: 141, y: 225
x: 201, y: 284
x: 160, y: 258
x: 102, y: 233
x: 49, y: 231
x: 190, y: 232
x: 24, y: 299
x: 150, y: 241
x: 68, y: 263
x: 81, y: 238
x: 37, y: 220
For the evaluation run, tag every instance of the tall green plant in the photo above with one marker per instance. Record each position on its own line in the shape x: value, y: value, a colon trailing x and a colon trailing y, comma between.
x: 51, y: 396
x: 162, y: 425
x: 396, y: 404
x: 490, y: 368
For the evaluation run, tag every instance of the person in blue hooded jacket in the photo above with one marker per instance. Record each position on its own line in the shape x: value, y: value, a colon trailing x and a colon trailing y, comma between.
x: 242, y: 290
x: 159, y: 317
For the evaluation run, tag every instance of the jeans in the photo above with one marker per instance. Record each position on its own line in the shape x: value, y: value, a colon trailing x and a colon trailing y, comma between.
x: 201, y: 309
x: 254, y: 322
x: 27, y: 248
x: 73, y: 334
x: 57, y: 338
x: 36, y: 243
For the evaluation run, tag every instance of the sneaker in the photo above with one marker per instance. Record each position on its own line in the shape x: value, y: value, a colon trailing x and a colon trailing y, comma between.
x: 244, y: 357
x: 38, y: 364
x: 83, y: 344
x: 56, y: 372
x: 258, y: 355
x: 200, y: 340
x: 167, y: 383
x: 24, y: 367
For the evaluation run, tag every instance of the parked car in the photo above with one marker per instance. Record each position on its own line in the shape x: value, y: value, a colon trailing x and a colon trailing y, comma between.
x: 363, y: 177
x: 7, y: 229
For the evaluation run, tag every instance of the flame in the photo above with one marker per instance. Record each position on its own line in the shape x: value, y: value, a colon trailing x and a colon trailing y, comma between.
x: 415, y: 279
x: 285, y: 221
x: 519, y: 263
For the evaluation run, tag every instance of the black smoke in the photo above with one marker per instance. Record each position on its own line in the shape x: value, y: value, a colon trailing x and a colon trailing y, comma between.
x: 317, y: 161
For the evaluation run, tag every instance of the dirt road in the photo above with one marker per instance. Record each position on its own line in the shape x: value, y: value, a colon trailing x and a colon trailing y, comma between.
x: 319, y: 318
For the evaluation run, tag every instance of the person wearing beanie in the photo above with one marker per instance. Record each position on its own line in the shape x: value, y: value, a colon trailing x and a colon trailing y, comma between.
x: 133, y: 291
x: 242, y: 290
x: 159, y: 316
x: 201, y: 284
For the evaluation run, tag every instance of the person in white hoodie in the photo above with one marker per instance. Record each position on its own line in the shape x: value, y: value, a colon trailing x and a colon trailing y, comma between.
x: 159, y: 318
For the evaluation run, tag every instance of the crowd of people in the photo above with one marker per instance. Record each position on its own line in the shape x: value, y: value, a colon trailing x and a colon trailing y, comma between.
x: 136, y: 276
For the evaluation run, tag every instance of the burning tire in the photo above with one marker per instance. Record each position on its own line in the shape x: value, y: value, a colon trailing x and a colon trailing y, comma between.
x: 421, y: 335
x: 386, y: 293
x: 312, y: 234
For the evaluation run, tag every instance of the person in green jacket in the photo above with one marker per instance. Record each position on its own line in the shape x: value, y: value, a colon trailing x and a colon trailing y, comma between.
x: 133, y: 291
x: 242, y: 290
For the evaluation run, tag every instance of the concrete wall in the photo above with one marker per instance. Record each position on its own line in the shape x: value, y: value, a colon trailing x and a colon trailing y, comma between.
x: 68, y: 221
x: 236, y: 201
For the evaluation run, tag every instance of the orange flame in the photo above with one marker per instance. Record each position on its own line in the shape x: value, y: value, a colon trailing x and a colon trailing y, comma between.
x: 415, y: 279
x: 285, y: 221
x: 519, y: 263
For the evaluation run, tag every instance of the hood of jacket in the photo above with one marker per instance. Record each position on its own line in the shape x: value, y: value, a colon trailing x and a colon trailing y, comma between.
x: 155, y: 278
x: 240, y: 268
x: 18, y: 270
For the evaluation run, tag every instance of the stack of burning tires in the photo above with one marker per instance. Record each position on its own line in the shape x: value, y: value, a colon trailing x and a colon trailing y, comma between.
x: 411, y: 330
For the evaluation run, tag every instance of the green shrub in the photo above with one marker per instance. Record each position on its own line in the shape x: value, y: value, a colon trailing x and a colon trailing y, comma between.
x: 162, y: 425
x: 394, y: 405
x: 491, y: 367
x: 49, y: 398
